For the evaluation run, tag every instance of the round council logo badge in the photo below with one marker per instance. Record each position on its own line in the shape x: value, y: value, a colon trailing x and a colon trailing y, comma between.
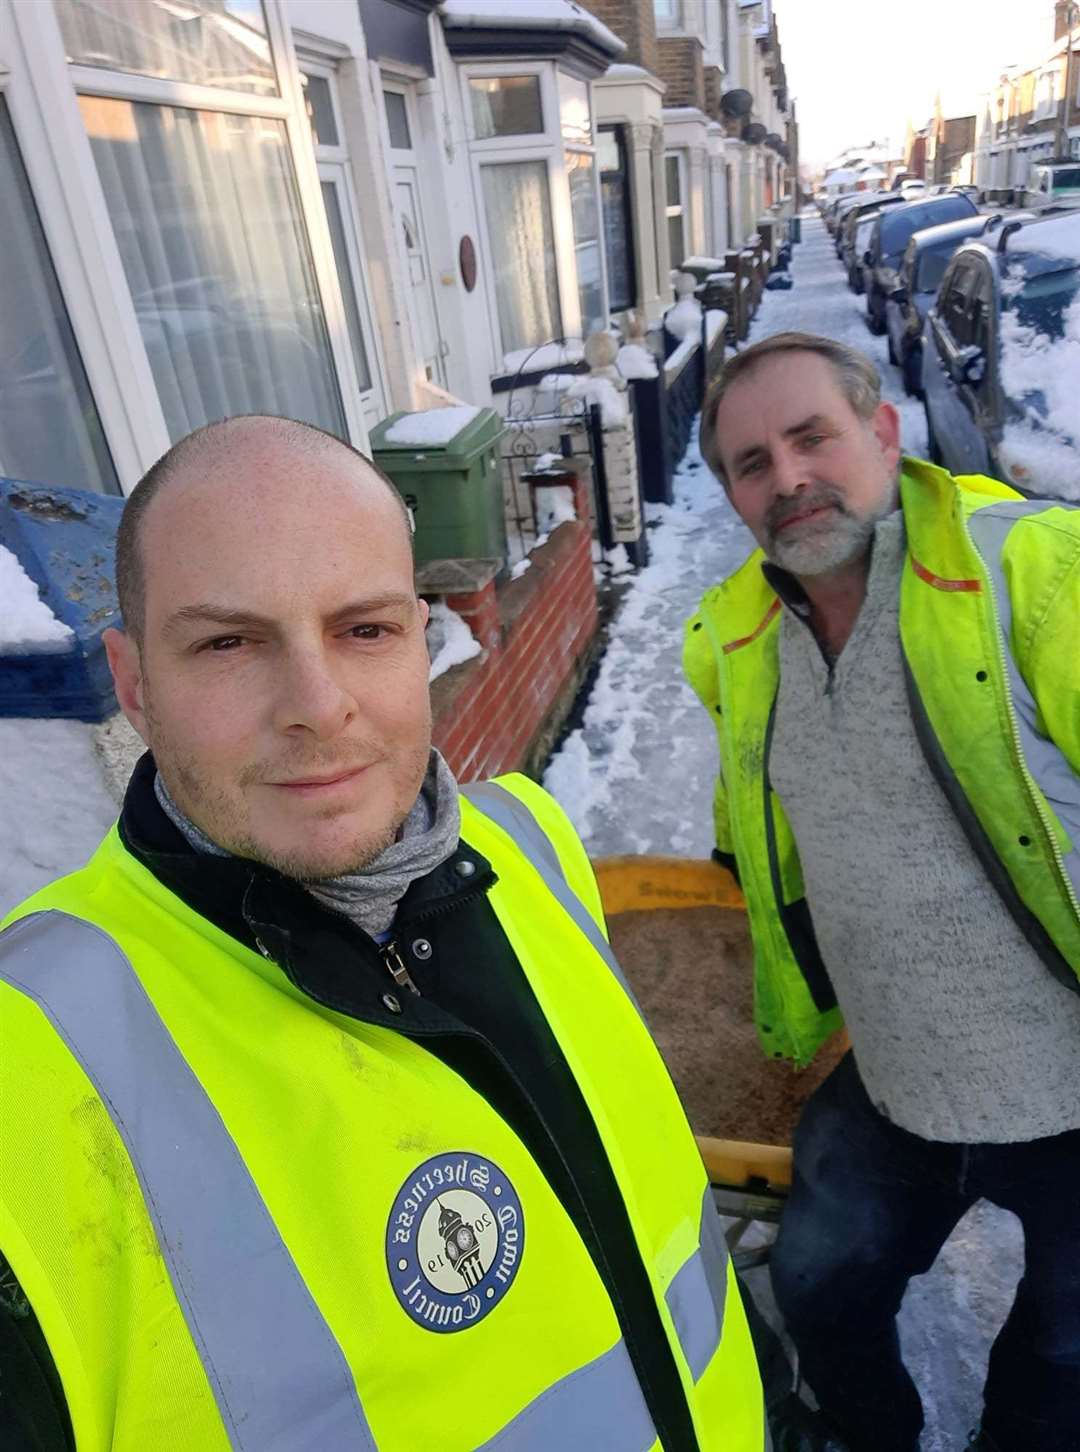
x: 454, y: 1241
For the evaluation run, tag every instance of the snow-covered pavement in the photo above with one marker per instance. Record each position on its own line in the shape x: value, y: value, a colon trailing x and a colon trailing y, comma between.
x: 637, y: 777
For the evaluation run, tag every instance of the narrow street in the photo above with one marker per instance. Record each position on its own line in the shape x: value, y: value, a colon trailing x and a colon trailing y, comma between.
x: 636, y: 777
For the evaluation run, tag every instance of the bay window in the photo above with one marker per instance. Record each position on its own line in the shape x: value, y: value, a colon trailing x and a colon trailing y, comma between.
x: 50, y: 431
x: 533, y: 149
x: 211, y: 236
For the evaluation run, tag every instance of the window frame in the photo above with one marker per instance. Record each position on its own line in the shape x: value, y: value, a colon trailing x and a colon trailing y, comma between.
x: 677, y: 209
x: 43, y: 92
x: 332, y: 165
x: 550, y: 147
x: 673, y: 27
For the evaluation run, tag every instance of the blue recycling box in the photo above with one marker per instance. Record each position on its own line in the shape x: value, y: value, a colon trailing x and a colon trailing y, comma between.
x: 65, y: 540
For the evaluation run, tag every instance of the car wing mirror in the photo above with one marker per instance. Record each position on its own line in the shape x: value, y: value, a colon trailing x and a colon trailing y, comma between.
x: 969, y: 365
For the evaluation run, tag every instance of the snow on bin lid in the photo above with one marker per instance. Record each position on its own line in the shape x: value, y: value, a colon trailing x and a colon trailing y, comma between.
x: 57, y: 596
x: 430, y: 429
x: 27, y: 625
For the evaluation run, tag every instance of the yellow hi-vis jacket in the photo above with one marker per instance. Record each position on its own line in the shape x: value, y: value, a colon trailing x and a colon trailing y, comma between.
x: 990, y: 630
x: 247, y: 1221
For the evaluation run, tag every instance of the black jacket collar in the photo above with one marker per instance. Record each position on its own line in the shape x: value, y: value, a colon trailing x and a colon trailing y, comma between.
x: 253, y: 903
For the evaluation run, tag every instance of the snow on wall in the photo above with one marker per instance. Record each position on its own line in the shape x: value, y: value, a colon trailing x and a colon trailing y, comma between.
x: 614, y: 409
x: 634, y: 361
x: 554, y: 506
x: 450, y: 641
x: 511, y: 14
x: 27, y: 625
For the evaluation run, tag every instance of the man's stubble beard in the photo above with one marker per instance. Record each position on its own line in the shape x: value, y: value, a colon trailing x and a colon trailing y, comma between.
x: 223, y: 816
x: 838, y: 540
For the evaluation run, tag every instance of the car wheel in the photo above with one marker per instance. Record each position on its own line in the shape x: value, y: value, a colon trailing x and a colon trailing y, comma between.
x: 874, y: 315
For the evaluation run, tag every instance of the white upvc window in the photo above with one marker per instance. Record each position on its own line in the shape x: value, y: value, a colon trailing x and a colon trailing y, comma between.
x: 319, y: 81
x: 532, y: 145
x: 669, y: 14
x: 1046, y: 95
x: 50, y: 428
x: 675, y: 181
x: 172, y: 161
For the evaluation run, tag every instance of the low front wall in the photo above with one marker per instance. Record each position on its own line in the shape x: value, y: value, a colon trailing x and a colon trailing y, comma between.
x: 501, y: 711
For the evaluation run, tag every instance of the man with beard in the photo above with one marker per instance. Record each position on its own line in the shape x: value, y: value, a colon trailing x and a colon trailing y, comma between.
x: 894, y: 677
x: 328, y: 1119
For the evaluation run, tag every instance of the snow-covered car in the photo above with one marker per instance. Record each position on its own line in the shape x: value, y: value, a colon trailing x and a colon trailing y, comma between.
x: 921, y: 270
x: 880, y: 259
x: 1001, y: 358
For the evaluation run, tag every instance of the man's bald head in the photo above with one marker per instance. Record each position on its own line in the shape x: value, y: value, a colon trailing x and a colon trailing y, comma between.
x: 214, y: 451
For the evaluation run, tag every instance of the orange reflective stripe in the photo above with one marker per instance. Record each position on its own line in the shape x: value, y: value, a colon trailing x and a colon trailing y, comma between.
x: 938, y: 583
x: 749, y: 639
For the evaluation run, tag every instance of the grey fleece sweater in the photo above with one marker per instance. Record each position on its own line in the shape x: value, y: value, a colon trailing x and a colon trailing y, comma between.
x: 959, y: 1031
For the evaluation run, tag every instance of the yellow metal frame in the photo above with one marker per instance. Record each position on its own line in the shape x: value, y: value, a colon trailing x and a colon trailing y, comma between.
x: 743, y: 1165
x: 644, y: 884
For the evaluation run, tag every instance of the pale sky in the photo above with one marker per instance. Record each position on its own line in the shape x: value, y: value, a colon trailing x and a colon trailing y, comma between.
x: 859, y: 68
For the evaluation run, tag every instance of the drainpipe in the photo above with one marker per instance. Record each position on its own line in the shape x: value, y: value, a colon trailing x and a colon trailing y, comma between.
x: 1061, y: 144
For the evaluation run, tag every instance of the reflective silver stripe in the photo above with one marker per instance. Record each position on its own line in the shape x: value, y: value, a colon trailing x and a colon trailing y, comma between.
x: 1055, y: 778
x: 280, y: 1380
x: 598, y: 1406
x: 519, y: 824
x: 697, y: 1293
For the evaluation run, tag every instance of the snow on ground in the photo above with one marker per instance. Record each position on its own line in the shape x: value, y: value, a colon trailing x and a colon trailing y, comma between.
x: 637, y: 777
x: 53, y: 803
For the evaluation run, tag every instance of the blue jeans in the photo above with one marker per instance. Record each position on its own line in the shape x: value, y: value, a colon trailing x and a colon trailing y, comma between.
x: 871, y: 1206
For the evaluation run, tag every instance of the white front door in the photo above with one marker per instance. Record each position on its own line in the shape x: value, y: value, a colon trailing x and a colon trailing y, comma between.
x: 421, y: 289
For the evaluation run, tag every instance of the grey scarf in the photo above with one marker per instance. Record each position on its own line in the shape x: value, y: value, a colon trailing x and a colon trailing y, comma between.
x: 428, y: 836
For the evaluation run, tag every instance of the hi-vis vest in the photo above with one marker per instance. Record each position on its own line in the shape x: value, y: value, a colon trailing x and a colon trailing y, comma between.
x: 247, y: 1221
x: 990, y: 629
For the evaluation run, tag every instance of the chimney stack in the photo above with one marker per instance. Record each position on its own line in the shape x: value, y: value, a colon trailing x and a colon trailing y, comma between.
x: 1062, y: 10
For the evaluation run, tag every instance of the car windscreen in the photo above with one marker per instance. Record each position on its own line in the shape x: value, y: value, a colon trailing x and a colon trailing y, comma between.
x: 932, y: 264
x: 898, y: 226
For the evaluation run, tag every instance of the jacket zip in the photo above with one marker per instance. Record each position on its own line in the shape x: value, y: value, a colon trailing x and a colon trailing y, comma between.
x: 395, y: 966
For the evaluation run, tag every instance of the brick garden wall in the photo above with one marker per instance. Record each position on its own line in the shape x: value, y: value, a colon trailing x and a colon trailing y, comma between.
x: 501, y: 711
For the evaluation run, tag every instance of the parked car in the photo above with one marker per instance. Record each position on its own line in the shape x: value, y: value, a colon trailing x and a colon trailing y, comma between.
x: 846, y: 235
x: 999, y: 385
x: 840, y: 210
x: 863, y: 229
x: 1053, y: 181
x: 834, y: 211
x: 881, y: 260
x: 921, y: 270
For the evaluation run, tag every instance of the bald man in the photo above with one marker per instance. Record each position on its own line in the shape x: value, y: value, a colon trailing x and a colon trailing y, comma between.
x: 329, y: 1120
